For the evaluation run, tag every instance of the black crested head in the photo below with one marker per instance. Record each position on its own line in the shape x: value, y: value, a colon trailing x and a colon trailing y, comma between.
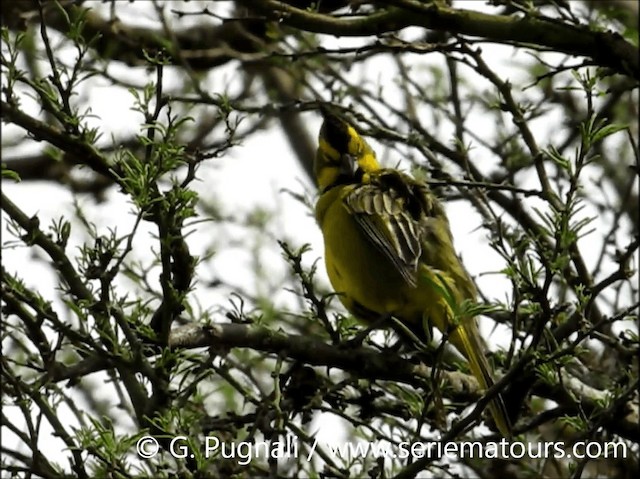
x: 335, y: 130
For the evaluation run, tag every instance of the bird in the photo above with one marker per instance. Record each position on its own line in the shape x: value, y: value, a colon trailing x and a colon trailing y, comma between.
x: 389, y: 249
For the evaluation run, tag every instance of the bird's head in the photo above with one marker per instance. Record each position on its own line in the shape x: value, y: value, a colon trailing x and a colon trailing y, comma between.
x: 343, y: 155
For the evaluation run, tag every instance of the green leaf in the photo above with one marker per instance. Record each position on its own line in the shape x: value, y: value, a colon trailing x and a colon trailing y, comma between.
x: 608, y: 130
x: 10, y: 174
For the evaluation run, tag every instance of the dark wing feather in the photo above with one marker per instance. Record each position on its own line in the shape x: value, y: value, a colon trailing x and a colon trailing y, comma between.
x: 391, y: 214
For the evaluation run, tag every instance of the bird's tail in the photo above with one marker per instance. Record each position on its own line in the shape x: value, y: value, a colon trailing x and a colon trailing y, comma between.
x: 464, y: 335
x: 466, y: 338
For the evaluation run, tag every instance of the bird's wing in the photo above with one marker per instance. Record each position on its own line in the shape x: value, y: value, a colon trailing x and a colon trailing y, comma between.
x: 383, y: 211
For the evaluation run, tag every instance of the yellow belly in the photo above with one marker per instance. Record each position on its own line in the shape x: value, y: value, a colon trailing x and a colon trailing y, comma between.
x: 360, y: 273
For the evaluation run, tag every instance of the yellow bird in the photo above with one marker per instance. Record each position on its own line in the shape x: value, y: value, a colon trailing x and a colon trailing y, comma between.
x: 389, y: 249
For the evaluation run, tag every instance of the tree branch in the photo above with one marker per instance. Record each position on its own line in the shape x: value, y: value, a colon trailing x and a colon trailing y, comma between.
x: 605, y: 48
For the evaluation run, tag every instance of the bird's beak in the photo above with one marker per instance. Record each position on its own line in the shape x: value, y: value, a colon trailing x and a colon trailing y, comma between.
x: 347, y: 164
